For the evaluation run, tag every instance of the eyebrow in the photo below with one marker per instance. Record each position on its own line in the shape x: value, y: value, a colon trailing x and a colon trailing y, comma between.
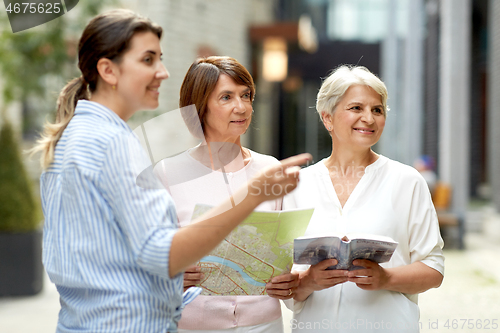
x: 354, y: 103
x: 229, y: 92
x: 359, y: 103
x: 152, y: 52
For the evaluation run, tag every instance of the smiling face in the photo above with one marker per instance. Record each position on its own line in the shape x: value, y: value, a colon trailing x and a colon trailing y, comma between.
x: 358, y: 120
x: 229, y: 111
x: 140, y: 73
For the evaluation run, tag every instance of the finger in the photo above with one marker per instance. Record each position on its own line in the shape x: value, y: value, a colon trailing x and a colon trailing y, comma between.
x: 361, y: 280
x: 281, y: 297
x: 364, y: 263
x: 323, y: 265
x: 365, y: 286
x: 360, y: 273
x: 192, y: 282
x: 188, y: 284
x: 193, y: 276
x: 327, y: 283
x: 285, y: 278
x: 193, y: 269
x: 334, y: 281
x: 281, y: 294
x: 282, y: 285
x: 296, y: 160
x: 293, y: 170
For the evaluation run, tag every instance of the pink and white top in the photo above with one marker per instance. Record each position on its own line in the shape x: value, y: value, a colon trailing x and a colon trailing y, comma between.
x: 190, y: 182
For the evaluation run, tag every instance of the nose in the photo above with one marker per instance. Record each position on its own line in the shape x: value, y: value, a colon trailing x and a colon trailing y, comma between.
x: 162, y: 73
x: 367, y: 116
x: 239, y: 105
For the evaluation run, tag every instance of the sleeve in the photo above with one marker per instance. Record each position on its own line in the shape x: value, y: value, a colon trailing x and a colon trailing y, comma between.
x: 145, y: 215
x: 425, y: 242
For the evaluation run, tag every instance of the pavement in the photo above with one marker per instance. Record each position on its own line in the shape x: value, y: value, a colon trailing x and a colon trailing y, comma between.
x: 467, y: 301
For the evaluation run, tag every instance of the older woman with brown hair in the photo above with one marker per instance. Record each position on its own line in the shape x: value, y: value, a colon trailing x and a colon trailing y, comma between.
x: 222, y: 91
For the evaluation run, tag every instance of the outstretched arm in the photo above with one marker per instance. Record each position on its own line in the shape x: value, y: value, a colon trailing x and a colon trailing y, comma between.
x: 191, y: 243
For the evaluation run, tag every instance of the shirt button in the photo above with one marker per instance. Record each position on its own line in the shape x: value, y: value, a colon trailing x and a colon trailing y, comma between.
x: 233, y: 303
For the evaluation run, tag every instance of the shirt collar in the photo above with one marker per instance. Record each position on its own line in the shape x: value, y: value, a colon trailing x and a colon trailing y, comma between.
x: 100, y: 111
x: 381, y: 160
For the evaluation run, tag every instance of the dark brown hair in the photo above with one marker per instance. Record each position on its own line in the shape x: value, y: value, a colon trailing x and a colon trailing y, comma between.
x: 202, y: 77
x: 108, y: 36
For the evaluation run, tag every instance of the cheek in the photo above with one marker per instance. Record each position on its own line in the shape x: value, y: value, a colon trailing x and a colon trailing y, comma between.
x: 212, y: 119
x: 381, y: 123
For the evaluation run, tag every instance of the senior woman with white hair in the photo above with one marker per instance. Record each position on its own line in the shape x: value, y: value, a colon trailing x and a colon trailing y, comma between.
x: 357, y: 190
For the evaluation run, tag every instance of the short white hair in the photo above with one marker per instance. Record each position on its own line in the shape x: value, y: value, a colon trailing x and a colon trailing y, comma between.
x: 336, y: 84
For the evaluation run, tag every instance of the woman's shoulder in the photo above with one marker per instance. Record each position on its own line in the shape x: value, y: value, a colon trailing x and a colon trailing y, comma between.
x: 314, y: 169
x: 262, y: 159
x: 401, y: 168
x: 87, y: 143
x: 405, y: 173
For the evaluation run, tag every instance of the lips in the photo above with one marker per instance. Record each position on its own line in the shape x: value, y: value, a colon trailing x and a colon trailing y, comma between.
x: 239, y: 122
x: 364, y: 130
x: 154, y: 89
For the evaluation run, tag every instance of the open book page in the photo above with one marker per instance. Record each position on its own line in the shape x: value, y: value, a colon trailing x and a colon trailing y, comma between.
x: 258, y: 249
x: 378, y: 251
x: 311, y: 250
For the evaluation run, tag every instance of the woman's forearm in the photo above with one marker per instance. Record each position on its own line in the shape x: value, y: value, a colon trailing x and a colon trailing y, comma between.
x: 193, y: 242
x: 412, y: 279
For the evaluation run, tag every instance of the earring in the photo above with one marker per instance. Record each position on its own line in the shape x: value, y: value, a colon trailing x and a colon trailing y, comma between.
x: 113, y: 87
x: 329, y: 128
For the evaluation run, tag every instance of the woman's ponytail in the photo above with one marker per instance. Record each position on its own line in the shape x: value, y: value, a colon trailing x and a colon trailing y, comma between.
x: 75, y: 90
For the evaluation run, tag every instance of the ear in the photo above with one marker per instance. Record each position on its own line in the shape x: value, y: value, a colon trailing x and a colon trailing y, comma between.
x: 327, y: 120
x: 108, y: 71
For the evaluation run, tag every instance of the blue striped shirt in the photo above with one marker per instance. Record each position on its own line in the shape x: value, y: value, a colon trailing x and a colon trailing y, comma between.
x: 106, y: 241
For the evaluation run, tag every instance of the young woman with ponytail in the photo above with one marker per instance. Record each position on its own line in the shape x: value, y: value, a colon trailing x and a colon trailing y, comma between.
x: 111, y: 247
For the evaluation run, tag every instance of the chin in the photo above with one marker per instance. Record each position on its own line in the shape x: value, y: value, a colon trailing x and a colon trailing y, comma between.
x: 151, y: 106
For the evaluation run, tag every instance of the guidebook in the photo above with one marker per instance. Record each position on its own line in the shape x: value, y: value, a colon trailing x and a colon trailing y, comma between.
x: 310, y: 250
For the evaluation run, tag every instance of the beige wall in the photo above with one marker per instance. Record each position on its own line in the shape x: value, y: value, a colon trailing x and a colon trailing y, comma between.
x: 219, y: 25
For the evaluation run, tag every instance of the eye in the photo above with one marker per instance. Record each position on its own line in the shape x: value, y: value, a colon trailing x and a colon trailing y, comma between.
x: 246, y: 96
x: 225, y: 97
x: 378, y: 110
x: 355, y: 108
x: 148, y: 59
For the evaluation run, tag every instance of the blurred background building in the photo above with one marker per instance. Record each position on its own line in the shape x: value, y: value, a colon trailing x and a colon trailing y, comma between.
x: 440, y: 60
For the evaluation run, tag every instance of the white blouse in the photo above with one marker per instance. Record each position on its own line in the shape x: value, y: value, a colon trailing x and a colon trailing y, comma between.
x: 391, y: 199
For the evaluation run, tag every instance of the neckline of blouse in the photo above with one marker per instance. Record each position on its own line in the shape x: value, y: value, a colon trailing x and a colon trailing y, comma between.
x: 232, y: 172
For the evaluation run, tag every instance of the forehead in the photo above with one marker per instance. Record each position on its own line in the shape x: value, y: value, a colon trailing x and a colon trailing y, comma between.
x: 361, y: 94
x: 227, y: 83
x: 143, y: 42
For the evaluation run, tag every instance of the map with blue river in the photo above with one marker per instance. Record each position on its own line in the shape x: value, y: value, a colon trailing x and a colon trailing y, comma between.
x: 260, y: 248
